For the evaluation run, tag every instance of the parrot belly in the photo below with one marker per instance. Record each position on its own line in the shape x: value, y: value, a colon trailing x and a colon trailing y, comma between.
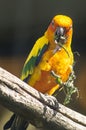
x: 46, y: 82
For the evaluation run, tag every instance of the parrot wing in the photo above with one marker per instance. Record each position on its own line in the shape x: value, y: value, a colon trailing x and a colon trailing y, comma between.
x: 34, y: 57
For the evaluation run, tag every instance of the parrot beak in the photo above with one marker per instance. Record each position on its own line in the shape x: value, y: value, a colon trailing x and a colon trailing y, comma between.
x: 60, y: 39
x: 60, y: 35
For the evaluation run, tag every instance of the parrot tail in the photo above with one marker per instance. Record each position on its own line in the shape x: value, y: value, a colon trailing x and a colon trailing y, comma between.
x: 16, y: 123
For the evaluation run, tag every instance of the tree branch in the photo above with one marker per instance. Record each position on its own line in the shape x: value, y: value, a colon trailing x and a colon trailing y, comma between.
x: 27, y: 102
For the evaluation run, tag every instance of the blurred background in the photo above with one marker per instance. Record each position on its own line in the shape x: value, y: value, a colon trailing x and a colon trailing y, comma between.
x: 23, y: 22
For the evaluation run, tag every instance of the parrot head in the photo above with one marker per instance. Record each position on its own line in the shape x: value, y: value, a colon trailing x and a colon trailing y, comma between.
x: 59, y: 32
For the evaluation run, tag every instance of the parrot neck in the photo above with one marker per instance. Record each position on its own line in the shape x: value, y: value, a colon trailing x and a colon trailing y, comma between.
x: 69, y: 40
x: 68, y: 43
x: 50, y: 38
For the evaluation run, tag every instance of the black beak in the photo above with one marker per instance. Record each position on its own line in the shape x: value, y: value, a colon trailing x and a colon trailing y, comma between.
x: 60, y: 39
x: 60, y: 35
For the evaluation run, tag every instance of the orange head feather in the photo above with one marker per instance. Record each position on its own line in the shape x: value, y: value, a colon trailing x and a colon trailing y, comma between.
x: 60, y: 30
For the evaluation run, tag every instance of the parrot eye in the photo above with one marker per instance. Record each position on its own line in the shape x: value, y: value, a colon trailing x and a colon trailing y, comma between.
x: 60, y: 35
x: 52, y: 23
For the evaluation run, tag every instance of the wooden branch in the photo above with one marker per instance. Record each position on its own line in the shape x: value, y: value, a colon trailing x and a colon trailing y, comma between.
x: 27, y: 102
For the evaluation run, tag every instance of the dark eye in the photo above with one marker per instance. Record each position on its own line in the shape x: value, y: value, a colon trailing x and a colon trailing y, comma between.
x: 52, y: 23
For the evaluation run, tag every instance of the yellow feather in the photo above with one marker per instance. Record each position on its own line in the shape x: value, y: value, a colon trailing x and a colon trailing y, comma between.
x: 38, y: 45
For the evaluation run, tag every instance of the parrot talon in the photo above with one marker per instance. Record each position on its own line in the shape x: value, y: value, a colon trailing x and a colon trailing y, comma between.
x: 52, y: 101
x: 57, y: 77
x: 54, y: 74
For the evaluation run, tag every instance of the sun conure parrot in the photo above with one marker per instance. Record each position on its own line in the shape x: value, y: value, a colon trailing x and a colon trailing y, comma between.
x: 51, y: 55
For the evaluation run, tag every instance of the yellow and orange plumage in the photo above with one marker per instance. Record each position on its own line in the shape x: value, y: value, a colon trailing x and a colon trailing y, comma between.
x: 53, y: 52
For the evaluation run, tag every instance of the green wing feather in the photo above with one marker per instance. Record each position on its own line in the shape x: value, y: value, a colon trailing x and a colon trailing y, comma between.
x: 34, y: 57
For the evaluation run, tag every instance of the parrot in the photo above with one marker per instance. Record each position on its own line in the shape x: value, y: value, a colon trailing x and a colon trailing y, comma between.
x: 51, y: 59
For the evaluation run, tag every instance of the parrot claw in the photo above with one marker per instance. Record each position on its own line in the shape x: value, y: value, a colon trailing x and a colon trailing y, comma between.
x: 52, y: 102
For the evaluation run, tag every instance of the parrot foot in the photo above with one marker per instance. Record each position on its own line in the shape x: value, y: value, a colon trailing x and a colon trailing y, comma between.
x: 57, y: 77
x: 52, y: 101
